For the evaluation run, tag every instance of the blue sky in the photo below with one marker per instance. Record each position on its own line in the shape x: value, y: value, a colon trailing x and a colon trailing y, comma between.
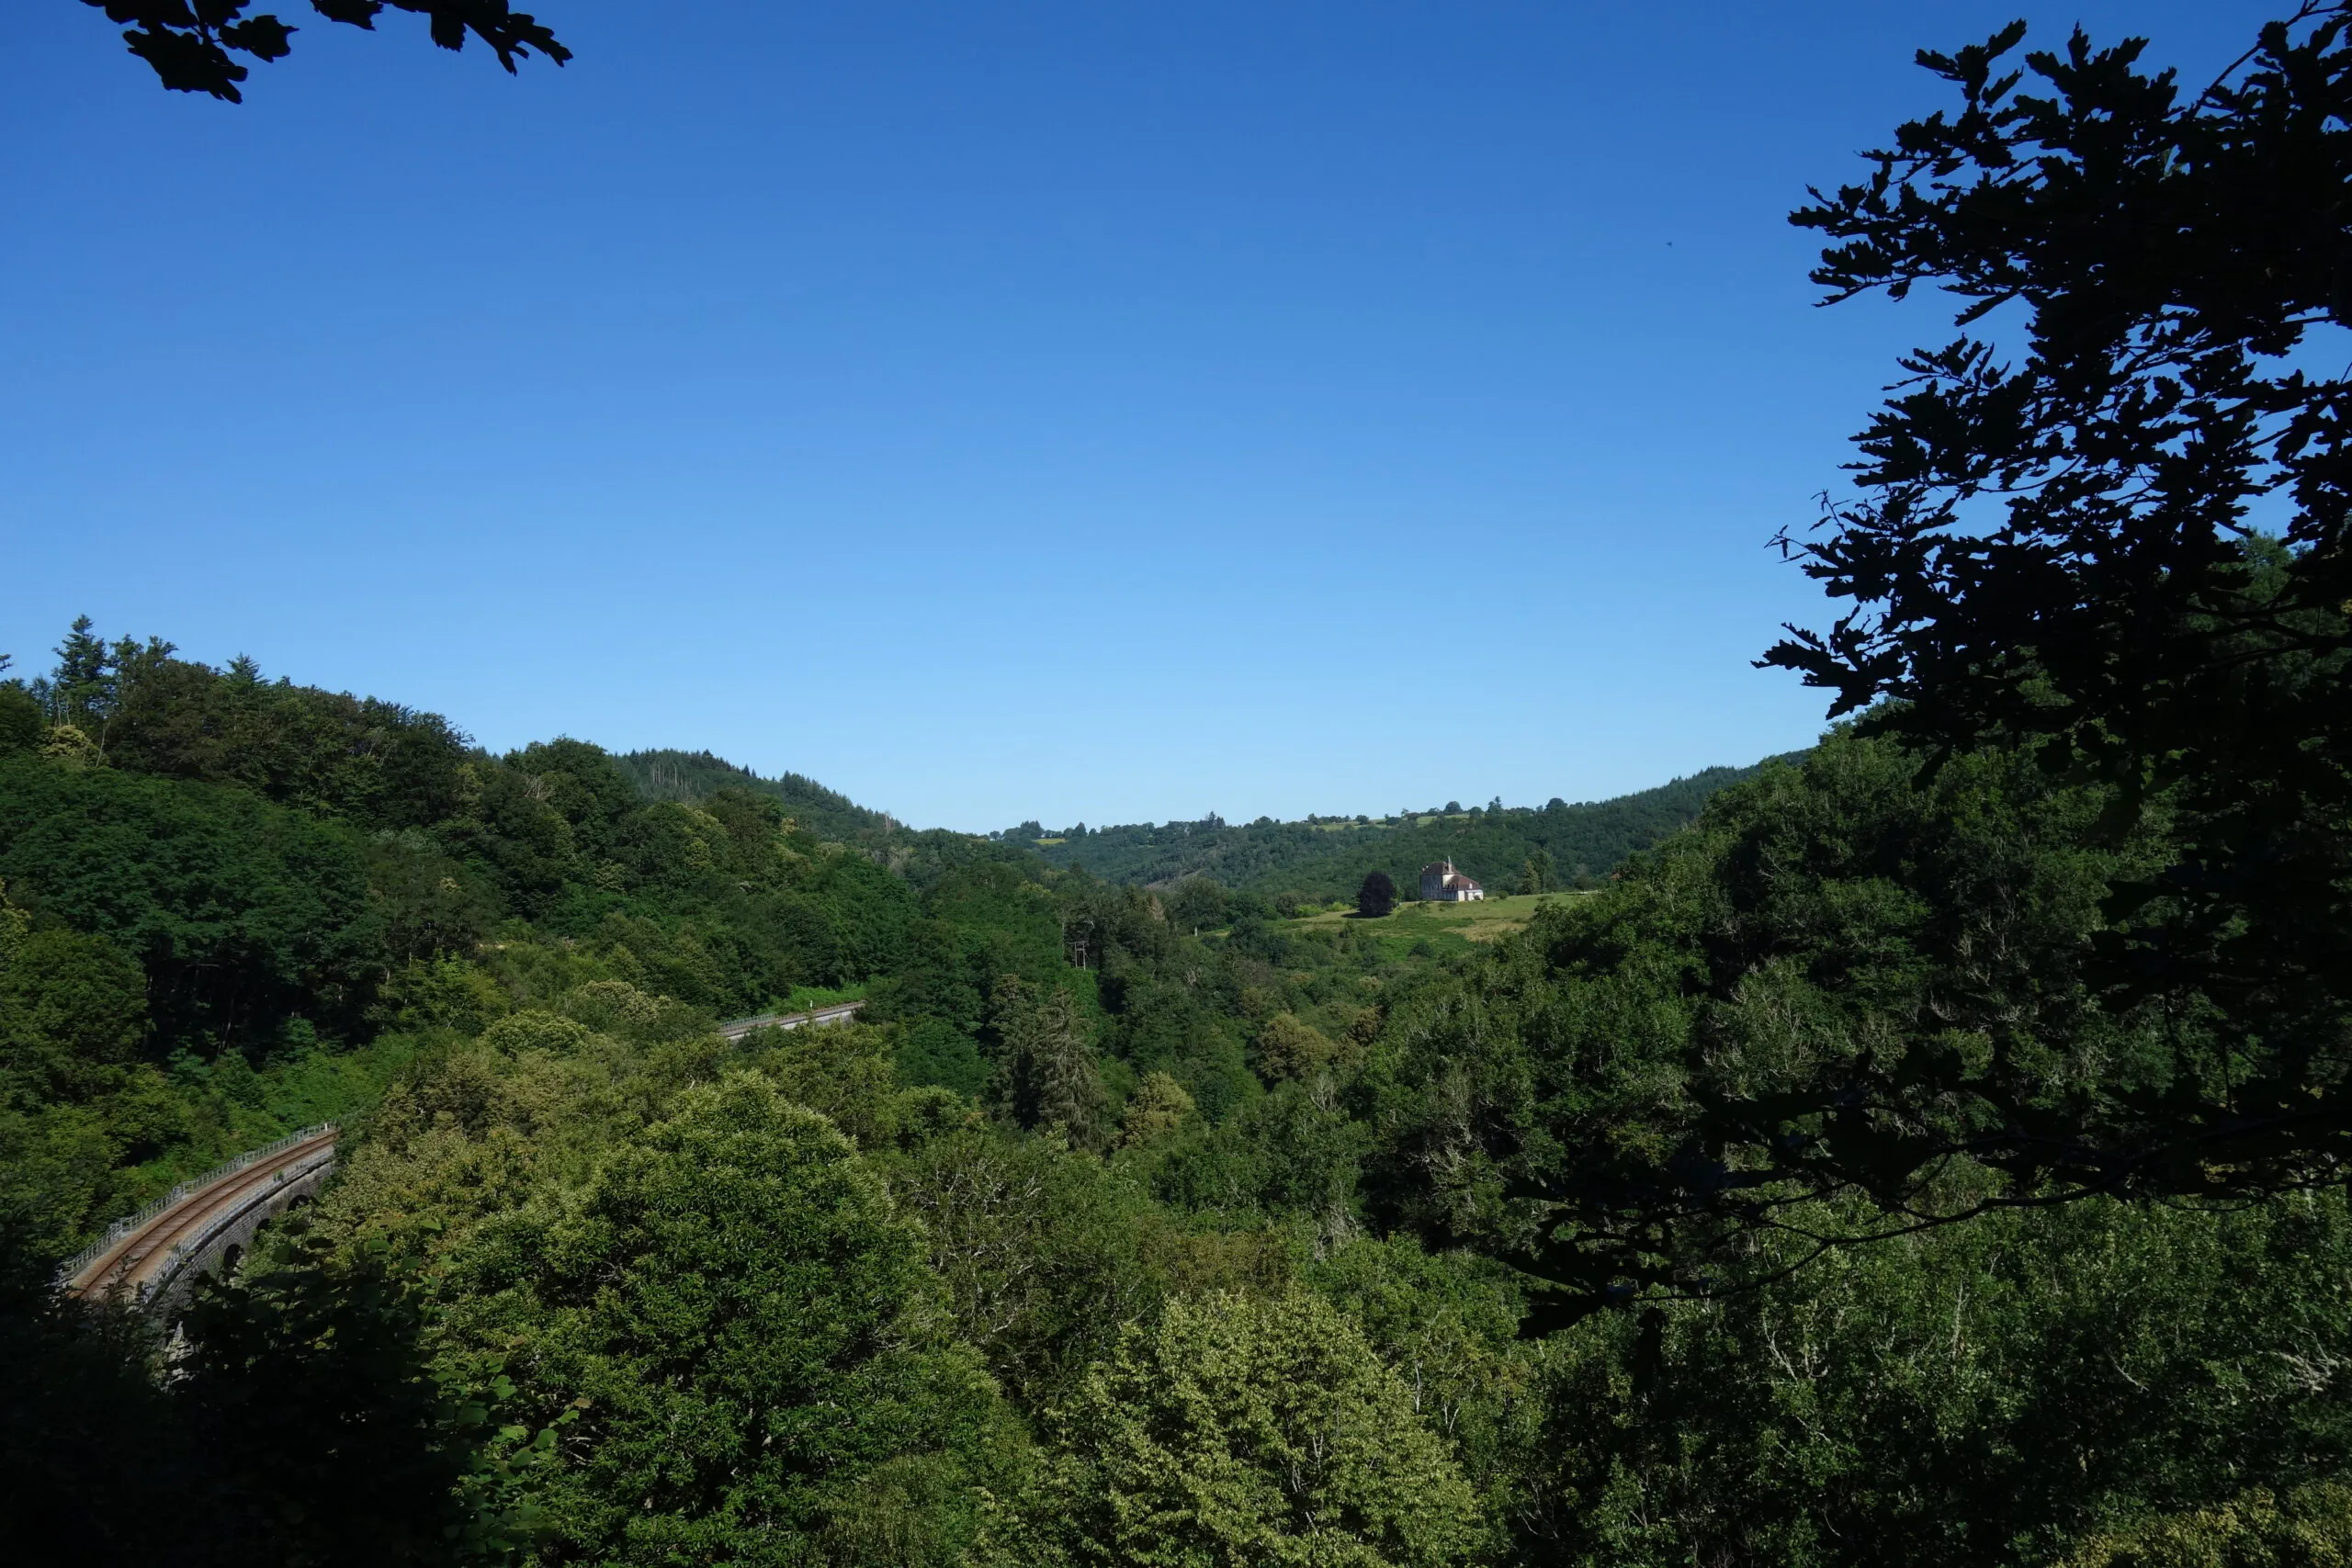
x: 1101, y: 412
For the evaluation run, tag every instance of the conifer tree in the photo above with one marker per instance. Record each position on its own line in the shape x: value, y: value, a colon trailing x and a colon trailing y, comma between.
x: 1046, y: 1079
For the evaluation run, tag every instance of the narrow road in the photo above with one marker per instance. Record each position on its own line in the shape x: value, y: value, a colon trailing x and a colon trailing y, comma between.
x: 142, y: 1260
x: 840, y: 1012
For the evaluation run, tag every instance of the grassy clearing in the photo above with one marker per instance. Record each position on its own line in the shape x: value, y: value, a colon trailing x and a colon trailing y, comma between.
x: 1444, y: 926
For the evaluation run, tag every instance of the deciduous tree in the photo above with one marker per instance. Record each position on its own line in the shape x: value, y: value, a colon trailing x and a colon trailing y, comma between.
x: 195, y: 48
x: 749, y: 1333
x: 2057, y: 547
x: 1238, y: 1433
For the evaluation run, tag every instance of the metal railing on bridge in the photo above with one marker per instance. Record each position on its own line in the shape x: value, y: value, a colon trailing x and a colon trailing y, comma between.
x: 195, y: 1184
x: 824, y: 1012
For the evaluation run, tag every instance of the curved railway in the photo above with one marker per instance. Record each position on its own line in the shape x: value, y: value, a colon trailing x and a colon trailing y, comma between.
x: 146, y: 1259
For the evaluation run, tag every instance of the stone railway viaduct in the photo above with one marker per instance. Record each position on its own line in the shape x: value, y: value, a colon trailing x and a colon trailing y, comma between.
x: 152, y: 1259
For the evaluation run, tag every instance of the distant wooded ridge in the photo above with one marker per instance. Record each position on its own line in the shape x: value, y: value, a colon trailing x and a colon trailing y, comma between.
x: 1321, y: 858
x: 688, y: 777
x: 1558, y: 845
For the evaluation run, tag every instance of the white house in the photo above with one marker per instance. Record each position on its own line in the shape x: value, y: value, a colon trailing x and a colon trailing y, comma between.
x: 1441, y: 883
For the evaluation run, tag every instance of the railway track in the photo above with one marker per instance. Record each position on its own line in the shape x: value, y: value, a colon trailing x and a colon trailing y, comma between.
x: 142, y: 1257
x: 202, y: 1223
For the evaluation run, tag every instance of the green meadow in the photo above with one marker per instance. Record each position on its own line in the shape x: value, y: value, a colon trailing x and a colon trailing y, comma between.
x: 1443, y: 927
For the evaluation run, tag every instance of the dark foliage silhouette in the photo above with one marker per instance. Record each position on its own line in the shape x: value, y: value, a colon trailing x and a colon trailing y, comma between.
x: 193, y: 45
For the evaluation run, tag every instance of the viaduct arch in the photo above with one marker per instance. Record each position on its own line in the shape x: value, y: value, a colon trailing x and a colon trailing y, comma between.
x: 151, y: 1259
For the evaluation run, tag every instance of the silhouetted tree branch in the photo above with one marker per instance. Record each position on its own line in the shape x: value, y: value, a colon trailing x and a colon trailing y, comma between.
x: 195, y: 45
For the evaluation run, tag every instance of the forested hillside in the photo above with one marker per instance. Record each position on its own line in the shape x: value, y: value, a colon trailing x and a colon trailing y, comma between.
x: 1323, y: 858
x: 240, y: 883
x: 1935, y: 1154
x: 1088, y: 1215
x: 689, y: 777
x: 1290, y: 863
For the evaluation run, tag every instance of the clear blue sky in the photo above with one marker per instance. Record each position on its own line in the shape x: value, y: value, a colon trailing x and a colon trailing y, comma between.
x: 1099, y: 410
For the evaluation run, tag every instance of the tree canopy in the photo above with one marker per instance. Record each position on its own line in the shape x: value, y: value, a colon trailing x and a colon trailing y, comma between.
x: 740, y: 1320
x: 1926, y: 1149
x: 1239, y: 1432
x: 2121, y: 549
x: 200, y: 46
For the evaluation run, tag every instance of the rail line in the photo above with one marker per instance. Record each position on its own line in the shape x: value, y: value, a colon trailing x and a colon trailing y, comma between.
x: 202, y: 1222
x: 141, y: 1257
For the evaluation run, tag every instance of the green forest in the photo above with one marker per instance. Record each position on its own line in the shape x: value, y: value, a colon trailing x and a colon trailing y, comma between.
x: 1324, y: 859
x: 1928, y: 1148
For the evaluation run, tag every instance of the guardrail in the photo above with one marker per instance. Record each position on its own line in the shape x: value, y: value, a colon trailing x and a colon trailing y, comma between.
x: 831, y: 1013
x: 130, y: 1222
x: 195, y: 1246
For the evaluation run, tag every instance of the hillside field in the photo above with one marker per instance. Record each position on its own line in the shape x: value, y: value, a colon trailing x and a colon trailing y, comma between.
x: 1444, y: 928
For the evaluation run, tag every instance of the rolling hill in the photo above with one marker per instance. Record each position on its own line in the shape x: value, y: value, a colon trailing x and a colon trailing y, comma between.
x: 1326, y: 858
x: 1316, y: 860
x: 690, y: 776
